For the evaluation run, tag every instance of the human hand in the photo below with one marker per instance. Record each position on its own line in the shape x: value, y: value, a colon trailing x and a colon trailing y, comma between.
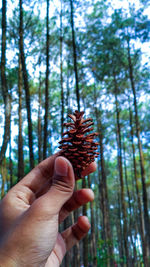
x: 32, y: 210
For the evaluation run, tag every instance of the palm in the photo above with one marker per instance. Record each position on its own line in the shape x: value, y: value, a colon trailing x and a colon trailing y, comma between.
x: 59, y: 250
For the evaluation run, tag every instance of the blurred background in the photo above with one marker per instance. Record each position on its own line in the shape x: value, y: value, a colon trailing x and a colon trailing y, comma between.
x: 93, y: 56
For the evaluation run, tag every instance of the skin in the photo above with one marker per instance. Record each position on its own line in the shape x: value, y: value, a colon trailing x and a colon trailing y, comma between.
x: 32, y: 210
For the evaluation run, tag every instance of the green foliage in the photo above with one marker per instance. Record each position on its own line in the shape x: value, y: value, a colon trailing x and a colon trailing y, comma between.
x: 102, y: 252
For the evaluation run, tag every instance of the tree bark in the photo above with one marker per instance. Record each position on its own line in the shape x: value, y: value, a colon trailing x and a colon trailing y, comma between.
x: 4, y: 177
x: 20, y: 138
x: 61, y: 74
x: 5, y: 93
x: 143, y: 178
x: 39, y: 121
x: 85, y: 240
x: 26, y: 86
x: 120, y: 231
x: 76, y: 248
x: 46, y: 86
x: 103, y: 189
x: 67, y: 258
x: 68, y: 88
x: 119, y: 150
x: 10, y: 168
x: 142, y: 228
x: 131, y: 213
x: 93, y: 233
x: 10, y: 163
x: 75, y: 55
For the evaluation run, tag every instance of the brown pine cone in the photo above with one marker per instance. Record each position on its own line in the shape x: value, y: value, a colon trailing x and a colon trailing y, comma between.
x: 79, y: 146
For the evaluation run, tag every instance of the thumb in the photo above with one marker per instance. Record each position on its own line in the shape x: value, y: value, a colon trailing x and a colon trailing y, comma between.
x: 62, y: 185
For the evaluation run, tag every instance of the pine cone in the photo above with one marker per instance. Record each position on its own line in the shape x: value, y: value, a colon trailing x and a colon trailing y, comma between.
x: 79, y: 147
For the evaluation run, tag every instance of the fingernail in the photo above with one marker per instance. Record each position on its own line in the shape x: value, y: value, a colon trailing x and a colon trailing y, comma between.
x: 61, y: 166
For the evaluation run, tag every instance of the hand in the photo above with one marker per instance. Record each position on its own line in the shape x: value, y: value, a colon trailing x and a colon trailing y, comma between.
x: 32, y: 210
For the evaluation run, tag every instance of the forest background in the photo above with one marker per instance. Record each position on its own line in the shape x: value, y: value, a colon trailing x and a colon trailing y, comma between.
x: 59, y: 56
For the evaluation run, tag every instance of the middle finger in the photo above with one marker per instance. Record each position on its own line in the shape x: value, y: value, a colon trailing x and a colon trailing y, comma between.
x: 78, y: 199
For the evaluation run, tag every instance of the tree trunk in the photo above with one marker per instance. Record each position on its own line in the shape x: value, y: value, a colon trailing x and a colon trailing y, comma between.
x: 119, y: 149
x: 143, y: 178
x: 67, y: 259
x: 120, y: 232
x: 61, y: 74
x: 5, y: 93
x: 68, y: 88
x: 103, y: 189
x: 142, y: 228
x: 85, y: 240
x: 3, y: 53
x: 39, y: 122
x: 20, y: 138
x: 75, y: 55
x: 76, y: 248
x: 4, y: 178
x: 26, y: 86
x: 10, y: 164
x: 131, y: 214
x: 46, y: 86
x: 93, y: 233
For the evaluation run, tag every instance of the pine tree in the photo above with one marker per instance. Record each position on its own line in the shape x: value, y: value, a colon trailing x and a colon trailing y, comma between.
x: 26, y: 86
x: 5, y: 92
x: 46, y: 85
x: 20, y: 137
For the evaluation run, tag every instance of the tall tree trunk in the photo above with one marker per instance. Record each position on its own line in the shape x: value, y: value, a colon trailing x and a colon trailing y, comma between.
x: 4, y: 177
x: 85, y: 240
x: 100, y: 218
x: 10, y: 163
x: 5, y: 93
x: 93, y: 232
x: 119, y: 149
x: 46, y: 86
x: 104, y: 199
x: 39, y: 121
x: 26, y: 86
x: 144, y: 191
x: 67, y: 259
x: 103, y: 184
x: 142, y: 228
x: 131, y: 213
x: 68, y: 89
x: 20, y: 138
x: 76, y: 248
x: 120, y: 231
x: 10, y: 167
x: 97, y: 221
x: 75, y: 55
x: 61, y: 73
